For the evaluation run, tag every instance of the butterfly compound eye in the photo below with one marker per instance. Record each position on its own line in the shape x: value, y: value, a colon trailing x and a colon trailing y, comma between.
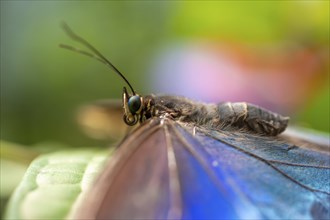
x: 134, y: 104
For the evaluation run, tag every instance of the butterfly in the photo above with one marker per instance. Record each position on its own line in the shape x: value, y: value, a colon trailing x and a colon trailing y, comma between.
x: 190, y: 160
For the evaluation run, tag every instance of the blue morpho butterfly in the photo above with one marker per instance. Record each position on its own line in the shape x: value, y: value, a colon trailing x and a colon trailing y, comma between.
x: 190, y: 160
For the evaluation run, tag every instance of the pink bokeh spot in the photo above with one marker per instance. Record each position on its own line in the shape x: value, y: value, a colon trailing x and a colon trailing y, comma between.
x: 277, y: 79
x: 214, y: 76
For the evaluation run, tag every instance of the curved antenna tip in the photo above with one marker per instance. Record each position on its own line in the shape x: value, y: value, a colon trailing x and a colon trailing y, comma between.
x: 81, y: 40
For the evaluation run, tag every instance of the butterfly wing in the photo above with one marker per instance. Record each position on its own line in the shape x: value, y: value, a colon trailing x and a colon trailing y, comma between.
x: 205, y: 194
x: 135, y: 181
x: 167, y: 170
x: 280, y: 179
x: 154, y: 175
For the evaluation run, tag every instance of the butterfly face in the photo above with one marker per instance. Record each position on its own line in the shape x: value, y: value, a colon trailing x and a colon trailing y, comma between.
x: 137, y: 108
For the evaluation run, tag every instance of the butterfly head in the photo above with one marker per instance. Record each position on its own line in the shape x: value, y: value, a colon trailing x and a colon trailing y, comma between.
x: 137, y: 108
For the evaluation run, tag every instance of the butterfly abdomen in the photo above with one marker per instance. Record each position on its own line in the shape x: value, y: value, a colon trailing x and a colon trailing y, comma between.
x: 224, y: 116
x: 251, y: 118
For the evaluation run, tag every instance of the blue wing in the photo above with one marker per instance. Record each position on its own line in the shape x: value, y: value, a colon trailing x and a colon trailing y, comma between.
x: 167, y: 170
x: 278, y: 180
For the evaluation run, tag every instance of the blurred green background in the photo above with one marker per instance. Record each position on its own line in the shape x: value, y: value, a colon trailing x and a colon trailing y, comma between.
x: 42, y: 85
x: 271, y: 53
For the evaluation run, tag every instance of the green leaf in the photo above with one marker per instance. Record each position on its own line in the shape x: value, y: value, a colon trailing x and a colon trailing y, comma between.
x: 53, y: 184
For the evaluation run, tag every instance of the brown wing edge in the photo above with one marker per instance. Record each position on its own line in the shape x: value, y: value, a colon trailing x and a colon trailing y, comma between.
x: 126, y: 162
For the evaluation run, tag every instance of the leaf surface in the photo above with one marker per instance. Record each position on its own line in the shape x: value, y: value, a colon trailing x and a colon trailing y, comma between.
x: 53, y: 184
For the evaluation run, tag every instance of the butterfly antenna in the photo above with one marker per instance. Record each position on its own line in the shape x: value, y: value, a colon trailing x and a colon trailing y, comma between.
x: 98, y: 56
